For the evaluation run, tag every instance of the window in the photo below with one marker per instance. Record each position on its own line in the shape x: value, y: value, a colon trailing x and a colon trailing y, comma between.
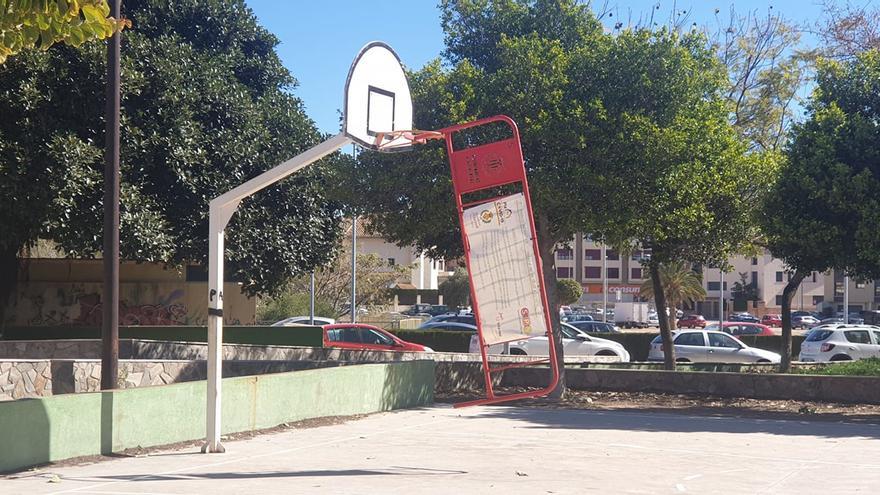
x: 334, y: 335
x: 779, y: 276
x: 860, y: 285
x: 593, y: 254
x: 351, y: 335
x: 713, y: 286
x: 779, y: 300
x: 721, y: 340
x: 814, y: 277
x: 369, y: 336
x: 858, y: 336
x: 391, y: 262
x: 690, y: 338
x: 593, y: 272
x: 818, y: 335
x: 614, y: 273
x: 565, y: 272
x: 877, y: 336
x: 755, y: 279
x: 747, y: 330
x: 636, y: 256
x: 818, y: 300
x: 754, y: 261
x: 611, y: 255
x: 635, y: 273
x: 564, y: 254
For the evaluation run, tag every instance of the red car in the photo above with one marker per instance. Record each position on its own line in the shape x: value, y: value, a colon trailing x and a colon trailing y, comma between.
x: 692, y: 321
x: 367, y: 338
x: 740, y: 329
x: 772, y: 320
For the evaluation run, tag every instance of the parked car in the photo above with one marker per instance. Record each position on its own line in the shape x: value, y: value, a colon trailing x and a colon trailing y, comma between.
x: 772, y: 320
x: 801, y: 313
x: 839, y: 342
x: 417, y: 309
x: 737, y: 329
x: 594, y: 326
x: 854, y: 319
x: 367, y: 338
x: 576, y: 317
x: 702, y: 346
x: 468, y: 318
x: 804, y: 321
x: 692, y: 321
x: 745, y: 317
x: 574, y: 343
x: 449, y: 326
x: 303, y: 320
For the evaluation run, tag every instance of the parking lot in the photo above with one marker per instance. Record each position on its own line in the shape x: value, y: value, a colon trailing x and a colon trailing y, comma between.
x: 502, y: 450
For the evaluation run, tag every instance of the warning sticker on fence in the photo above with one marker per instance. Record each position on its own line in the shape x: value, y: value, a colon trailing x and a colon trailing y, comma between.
x: 504, y: 270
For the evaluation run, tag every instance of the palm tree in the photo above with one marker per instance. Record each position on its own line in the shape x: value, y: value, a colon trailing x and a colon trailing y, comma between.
x: 680, y: 284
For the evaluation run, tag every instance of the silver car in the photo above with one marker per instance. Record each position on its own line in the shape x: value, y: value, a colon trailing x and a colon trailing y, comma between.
x: 575, y: 342
x: 838, y: 342
x: 702, y: 346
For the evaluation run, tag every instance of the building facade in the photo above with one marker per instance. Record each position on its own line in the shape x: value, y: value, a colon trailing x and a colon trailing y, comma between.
x: 763, y: 276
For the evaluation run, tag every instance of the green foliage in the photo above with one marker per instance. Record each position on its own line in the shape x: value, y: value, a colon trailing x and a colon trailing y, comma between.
x: 439, y: 340
x: 568, y: 291
x: 680, y: 284
x: 42, y: 23
x: 290, y: 304
x: 206, y: 105
x: 456, y: 290
x: 861, y: 367
x: 743, y: 289
x: 823, y: 211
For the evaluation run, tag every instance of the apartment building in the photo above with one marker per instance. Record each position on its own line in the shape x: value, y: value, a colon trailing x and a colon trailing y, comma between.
x: 581, y: 260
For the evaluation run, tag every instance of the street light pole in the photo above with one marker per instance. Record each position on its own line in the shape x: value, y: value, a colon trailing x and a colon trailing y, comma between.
x: 604, y: 284
x: 846, y: 299
x: 721, y: 299
x: 110, y: 299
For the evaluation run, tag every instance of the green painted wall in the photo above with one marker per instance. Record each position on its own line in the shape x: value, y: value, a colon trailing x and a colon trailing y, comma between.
x: 36, y: 431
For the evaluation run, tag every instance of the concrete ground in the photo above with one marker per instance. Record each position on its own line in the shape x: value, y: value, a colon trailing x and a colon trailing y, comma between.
x: 502, y: 450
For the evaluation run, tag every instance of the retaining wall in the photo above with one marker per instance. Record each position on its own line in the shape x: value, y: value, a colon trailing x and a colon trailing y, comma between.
x: 847, y: 389
x: 54, y: 428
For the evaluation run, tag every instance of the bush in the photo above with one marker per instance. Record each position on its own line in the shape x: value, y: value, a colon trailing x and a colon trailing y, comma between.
x: 862, y: 367
x: 291, y: 304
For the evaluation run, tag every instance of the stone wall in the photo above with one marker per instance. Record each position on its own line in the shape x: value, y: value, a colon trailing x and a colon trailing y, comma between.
x: 22, y: 379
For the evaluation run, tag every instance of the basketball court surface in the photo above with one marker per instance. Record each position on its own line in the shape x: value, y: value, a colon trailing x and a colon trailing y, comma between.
x: 501, y: 450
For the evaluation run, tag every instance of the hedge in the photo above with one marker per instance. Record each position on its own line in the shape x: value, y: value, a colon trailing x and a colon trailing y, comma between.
x: 637, y: 343
x: 288, y: 336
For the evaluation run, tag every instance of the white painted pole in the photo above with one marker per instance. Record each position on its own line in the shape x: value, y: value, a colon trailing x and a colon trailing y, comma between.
x: 354, y: 240
x: 220, y: 211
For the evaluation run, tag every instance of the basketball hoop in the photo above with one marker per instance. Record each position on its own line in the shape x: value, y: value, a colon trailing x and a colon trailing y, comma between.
x: 404, y: 139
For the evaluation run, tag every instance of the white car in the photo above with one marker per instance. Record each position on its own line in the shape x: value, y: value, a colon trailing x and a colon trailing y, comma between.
x: 839, y: 342
x: 574, y: 343
x: 804, y: 321
x: 702, y: 346
x: 303, y: 320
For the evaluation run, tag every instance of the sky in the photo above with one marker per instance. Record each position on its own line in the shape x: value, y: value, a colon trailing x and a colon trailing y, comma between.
x: 319, y: 40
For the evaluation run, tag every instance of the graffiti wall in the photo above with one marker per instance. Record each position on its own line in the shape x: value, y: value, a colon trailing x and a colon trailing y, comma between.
x: 46, y: 302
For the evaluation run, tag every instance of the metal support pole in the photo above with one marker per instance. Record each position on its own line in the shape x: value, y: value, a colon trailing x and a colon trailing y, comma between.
x: 721, y: 300
x: 220, y: 211
x: 312, y: 298
x: 846, y: 299
x: 604, y: 284
x: 353, y: 306
x: 110, y: 308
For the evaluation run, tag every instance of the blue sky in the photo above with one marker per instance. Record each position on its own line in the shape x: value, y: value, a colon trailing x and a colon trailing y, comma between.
x: 319, y: 40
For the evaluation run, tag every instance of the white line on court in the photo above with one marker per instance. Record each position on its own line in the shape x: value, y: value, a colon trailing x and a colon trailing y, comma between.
x: 256, y: 456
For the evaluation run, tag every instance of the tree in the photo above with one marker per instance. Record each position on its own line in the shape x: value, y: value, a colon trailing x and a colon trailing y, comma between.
x: 568, y: 291
x: 847, y: 30
x: 822, y: 212
x: 625, y: 136
x: 743, y: 290
x: 766, y: 69
x: 206, y: 104
x: 375, y: 278
x: 42, y: 23
x: 456, y: 289
x: 680, y: 284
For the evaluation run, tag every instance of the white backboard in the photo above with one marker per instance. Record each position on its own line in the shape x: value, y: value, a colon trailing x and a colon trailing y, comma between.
x: 377, y: 97
x: 503, y: 269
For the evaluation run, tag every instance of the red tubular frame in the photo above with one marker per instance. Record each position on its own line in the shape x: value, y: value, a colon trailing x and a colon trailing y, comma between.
x: 508, y: 175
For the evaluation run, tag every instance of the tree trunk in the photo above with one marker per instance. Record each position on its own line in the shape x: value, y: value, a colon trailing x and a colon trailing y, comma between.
x: 8, y: 280
x: 787, y: 294
x: 665, y: 332
x: 546, y: 246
